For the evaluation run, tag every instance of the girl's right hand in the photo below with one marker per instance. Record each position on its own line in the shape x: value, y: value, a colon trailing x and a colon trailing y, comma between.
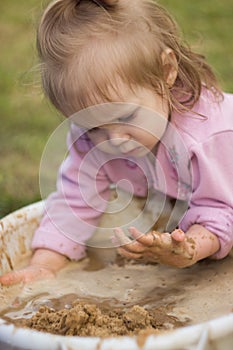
x: 44, y: 264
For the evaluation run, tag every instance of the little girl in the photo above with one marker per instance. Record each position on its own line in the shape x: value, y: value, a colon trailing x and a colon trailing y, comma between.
x: 143, y: 108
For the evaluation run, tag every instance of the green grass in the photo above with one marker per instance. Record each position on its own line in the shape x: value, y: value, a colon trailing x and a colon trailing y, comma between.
x: 207, y: 25
x: 27, y: 119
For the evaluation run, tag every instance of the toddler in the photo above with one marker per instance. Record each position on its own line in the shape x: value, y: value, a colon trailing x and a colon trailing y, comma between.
x: 144, y: 109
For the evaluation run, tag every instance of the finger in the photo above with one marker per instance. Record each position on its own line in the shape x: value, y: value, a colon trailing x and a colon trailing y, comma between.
x: 178, y: 235
x: 121, y: 238
x: 145, y: 239
x: 128, y: 244
x: 149, y: 239
x: 134, y: 247
x: 128, y: 254
x: 165, y: 241
x: 114, y: 240
x: 179, y: 246
x: 135, y: 233
x: 12, y: 278
x: 26, y: 275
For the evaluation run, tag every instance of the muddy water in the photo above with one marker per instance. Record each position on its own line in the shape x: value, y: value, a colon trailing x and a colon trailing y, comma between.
x: 195, y: 294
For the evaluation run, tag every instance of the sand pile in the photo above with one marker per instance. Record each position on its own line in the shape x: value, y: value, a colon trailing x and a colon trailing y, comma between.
x: 84, y: 319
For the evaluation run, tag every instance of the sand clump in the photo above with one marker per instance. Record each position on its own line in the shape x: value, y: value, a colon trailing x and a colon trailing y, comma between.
x: 85, y: 319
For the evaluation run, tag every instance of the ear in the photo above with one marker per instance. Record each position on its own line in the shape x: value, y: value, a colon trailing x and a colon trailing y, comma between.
x: 170, y: 66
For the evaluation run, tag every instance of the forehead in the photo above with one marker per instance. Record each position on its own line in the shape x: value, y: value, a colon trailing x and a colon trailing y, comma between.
x: 123, y: 102
x: 103, y: 114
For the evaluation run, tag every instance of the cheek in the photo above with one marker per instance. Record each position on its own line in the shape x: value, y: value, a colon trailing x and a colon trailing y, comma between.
x: 151, y: 140
x: 161, y: 105
x: 96, y: 137
x: 143, y: 136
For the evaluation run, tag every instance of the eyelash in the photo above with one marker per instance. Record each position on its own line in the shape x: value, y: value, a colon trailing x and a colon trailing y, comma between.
x: 130, y: 117
x: 93, y: 129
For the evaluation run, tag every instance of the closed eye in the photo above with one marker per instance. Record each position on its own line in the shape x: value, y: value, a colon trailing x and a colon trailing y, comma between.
x: 94, y: 129
x: 129, y: 117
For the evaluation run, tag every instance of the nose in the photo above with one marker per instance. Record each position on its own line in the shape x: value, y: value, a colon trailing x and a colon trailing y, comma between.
x: 117, y: 136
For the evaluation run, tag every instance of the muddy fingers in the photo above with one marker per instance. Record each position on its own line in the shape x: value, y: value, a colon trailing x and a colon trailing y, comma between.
x: 29, y: 274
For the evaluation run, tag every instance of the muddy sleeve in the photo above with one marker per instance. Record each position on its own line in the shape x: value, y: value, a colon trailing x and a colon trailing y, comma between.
x: 211, y: 203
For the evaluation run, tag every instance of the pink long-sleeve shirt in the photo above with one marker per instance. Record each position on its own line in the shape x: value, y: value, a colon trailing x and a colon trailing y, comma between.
x: 194, y: 162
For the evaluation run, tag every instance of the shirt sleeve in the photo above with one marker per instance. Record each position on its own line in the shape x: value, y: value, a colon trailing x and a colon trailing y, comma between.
x: 211, y: 204
x: 72, y: 212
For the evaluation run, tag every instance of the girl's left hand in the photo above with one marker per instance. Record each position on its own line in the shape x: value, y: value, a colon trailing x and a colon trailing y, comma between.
x: 173, y: 249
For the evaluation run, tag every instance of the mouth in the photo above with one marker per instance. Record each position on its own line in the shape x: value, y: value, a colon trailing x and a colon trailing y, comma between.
x: 133, y: 151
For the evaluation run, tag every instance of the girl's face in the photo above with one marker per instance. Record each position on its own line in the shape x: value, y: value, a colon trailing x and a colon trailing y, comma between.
x: 130, y: 128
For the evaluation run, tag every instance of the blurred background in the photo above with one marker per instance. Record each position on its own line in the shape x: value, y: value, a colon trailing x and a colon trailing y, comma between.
x: 27, y: 119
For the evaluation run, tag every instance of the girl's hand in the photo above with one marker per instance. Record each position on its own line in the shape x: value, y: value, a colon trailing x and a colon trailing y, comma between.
x: 44, y: 264
x: 176, y: 249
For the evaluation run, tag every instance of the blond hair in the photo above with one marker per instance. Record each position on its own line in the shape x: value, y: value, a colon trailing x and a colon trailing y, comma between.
x: 86, y: 47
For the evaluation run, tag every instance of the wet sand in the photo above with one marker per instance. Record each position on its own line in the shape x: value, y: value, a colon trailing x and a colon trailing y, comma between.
x: 125, y: 297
